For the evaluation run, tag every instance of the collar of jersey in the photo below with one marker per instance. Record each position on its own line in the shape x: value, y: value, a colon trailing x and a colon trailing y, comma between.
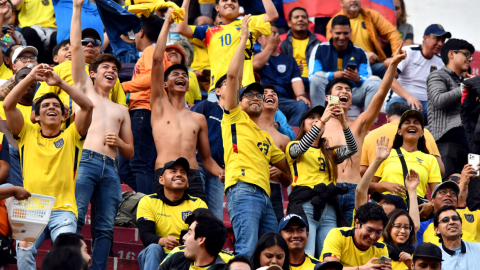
x: 355, y: 242
x: 49, y: 137
x: 304, y: 258
x: 161, y: 196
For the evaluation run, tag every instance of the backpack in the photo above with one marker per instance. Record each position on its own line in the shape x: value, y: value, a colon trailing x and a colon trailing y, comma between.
x: 127, y: 210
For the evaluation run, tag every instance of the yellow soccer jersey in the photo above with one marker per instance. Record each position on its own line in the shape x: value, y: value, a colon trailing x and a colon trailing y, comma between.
x: 360, y: 35
x: 427, y: 234
x: 24, y: 108
x: 397, y: 265
x: 424, y: 164
x: 340, y: 243
x: 309, y: 169
x: 308, y: 263
x: 200, y: 53
x: 49, y: 164
x: 221, y: 42
x: 248, y: 151
x: 299, y: 49
x: 5, y: 72
x: 225, y: 256
x: 193, y: 94
x: 169, y: 220
x: 470, y: 221
x: 31, y: 12
x: 64, y: 71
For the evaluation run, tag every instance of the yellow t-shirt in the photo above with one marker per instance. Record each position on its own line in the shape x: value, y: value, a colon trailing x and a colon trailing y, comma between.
x: 25, y: 109
x: 5, y: 72
x: 397, y: 265
x: 225, y: 256
x: 424, y: 164
x: 193, y: 92
x: 339, y: 64
x: 309, y: 169
x: 222, y: 42
x: 389, y: 130
x: 201, y: 2
x: 49, y: 164
x: 40, y: 12
x: 64, y: 71
x: 360, y: 35
x: 169, y: 220
x: 341, y: 245
x: 248, y: 150
x: 470, y: 221
x: 308, y: 263
x: 200, y: 54
x: 427, y: 234
x: 299, y: 49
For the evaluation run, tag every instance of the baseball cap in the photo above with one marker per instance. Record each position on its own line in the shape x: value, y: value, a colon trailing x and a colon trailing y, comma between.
x: 198, y: 212
x: 327, y: 265
x: 437, y: 30
x: 320, y: 109
x: 427, y: 250
x: 90, y: 32
x: 181, y: 161
x: 445, y: 184
x: 288, y: 218
x: 252, y: 86
x: 180, y: 49
x: 393, y: 199
x: 271, y: 267
x: 23, y: 49
x: 414, y: 113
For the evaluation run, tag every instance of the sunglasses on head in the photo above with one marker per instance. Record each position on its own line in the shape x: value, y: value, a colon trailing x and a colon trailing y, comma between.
x: 95, y: 42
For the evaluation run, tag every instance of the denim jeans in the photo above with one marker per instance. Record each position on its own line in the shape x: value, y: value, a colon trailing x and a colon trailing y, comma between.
x: 277, y: 200
x: 251, y: 214
x: 402, y: 100
x: 378, y: 69
x: 292, y: 109
x: 60, y: 222
x: 138, y: 171
x: 361, y: 95
x: 347, y: 201
x: 98, y: 181
x: 214, y: 192
x: 151, y: 257
x: 15, y: 177
x: 318, y: 230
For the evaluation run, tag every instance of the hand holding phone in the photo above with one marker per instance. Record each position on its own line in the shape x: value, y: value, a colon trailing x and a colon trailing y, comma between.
x: 333, y: 100
x: 474, y: 159
x: 383, y: 259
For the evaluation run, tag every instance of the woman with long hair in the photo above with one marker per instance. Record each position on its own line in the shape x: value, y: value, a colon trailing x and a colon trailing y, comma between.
x: 271, y: 249
x: 405, y: 29
x: 409, y: 150
x: 314, y: 170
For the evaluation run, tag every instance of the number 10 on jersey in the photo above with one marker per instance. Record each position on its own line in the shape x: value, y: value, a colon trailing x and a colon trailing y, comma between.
x: 227, y: 39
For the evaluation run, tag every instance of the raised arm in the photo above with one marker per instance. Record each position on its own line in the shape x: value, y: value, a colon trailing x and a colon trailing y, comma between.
x: 80, y: 77
x: 183, y: 28
x: 468, y: 173
x: 271, y: 13
x: 411, y: 183
x: 83, y: 116
x: 236, y: 65
x: 371, y: 113
x: 382, y: 152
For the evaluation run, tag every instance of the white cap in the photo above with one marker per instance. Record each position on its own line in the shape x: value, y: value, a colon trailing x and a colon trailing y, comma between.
x: 22, y: 49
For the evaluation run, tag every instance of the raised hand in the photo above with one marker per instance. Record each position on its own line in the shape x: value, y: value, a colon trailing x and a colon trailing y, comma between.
x: 38, y: 72
x: 330, y: 111
x: 382, y: 151
x: 245, y: 31
x: 412, y: 180
x: 3, y: 7
x: 51, y: 78
x: 78, y: 3
x: 168, y: 16
x: 399, y: 55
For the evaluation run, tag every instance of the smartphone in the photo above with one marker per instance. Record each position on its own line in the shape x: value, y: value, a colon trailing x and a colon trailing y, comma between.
x: 383, y: 259
x: 5, y: 29
x: 474, y: 159
x: 334, y: 100
x: 182, y: 234
x: 352, y: 66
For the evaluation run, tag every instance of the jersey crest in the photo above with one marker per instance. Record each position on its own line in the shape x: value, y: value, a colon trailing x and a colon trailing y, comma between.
x: 282, y: 68
x: 186, y: 214
x: 59, y: 144
x: 469, y: 217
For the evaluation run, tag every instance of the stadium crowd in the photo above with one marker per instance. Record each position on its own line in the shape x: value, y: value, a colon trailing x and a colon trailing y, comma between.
x: 190, y: 103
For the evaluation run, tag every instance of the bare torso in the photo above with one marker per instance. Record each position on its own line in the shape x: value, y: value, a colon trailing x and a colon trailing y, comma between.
x: 107, y: 117
x: 175, y: 134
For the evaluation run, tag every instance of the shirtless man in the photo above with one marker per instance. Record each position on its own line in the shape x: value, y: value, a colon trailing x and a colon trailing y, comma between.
x: 349, y: 171
x: 110, y: 130
x: 177, y: 132
x: 266, y: 122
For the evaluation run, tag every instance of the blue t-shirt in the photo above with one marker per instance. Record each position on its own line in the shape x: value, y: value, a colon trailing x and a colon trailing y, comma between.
x: 214, y: 115
x: 63, y: 15
x: 280, y: 71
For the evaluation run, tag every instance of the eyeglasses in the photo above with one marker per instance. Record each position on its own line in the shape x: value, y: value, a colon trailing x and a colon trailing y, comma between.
x: 224, y: 83
x: 454, y: 178
x: 444, y: 192
x: 372, y: 231
x: 25, y: 59
x: 468, y: 55
x: 95, y: 42
x: 447, y: 219
x: 250, y: 95
x: 398, y: 228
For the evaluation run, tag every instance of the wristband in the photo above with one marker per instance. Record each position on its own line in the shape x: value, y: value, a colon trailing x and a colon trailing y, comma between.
x: 322, y: 121
x: 302, y: 95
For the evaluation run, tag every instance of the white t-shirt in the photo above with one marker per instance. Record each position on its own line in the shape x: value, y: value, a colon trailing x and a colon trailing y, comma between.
x: 414, y: 70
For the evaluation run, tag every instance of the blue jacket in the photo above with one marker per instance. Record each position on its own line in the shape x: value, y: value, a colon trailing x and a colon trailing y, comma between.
x: 324, y: 58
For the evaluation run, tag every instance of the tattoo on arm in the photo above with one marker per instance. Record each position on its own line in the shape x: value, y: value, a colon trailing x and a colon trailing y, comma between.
x: 6, y: 88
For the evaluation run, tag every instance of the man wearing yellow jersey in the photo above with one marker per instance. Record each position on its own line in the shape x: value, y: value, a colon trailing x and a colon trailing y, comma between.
x: 248, y: 153
x: 161, y: 216
x: 203, y: 244
x: 293, y: 229
x: 357, y: 247
x: 49, y: 156
x: 222, y: 40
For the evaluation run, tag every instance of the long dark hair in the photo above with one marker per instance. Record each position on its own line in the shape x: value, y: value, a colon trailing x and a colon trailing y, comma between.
x: 421, y: 143
x: 391, y: 219
x: 267, y: 240
x: 330, y: 155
